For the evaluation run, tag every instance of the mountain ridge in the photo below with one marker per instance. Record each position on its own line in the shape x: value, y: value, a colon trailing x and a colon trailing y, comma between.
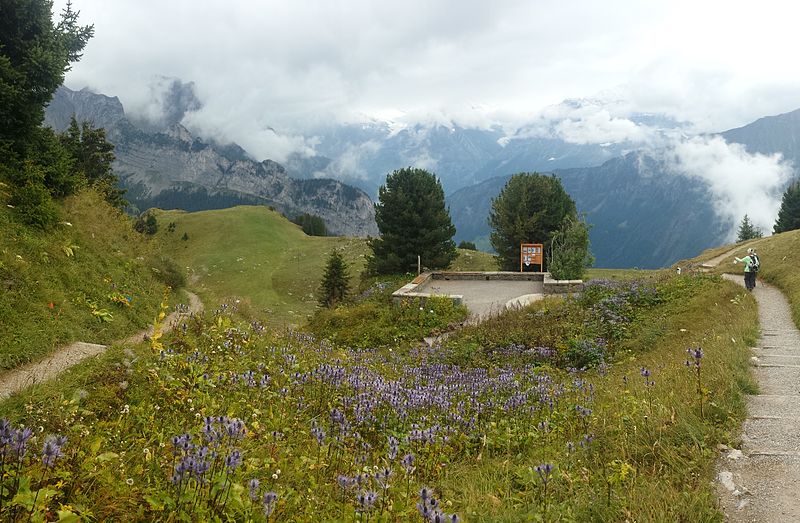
x: 158, y: 166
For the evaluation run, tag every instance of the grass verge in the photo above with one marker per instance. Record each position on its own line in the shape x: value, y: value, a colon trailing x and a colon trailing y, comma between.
x: 90, y: 279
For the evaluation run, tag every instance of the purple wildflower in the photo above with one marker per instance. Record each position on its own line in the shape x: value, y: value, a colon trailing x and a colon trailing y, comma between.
x: 253, y: 485
x: 268, y: 502
x: 544, y: 470
x: 52, y: 450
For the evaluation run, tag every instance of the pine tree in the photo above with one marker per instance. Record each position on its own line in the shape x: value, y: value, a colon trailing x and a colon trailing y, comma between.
x: 747, y: 231
x: 335, y: 281
x: 35, y: 53
x: 93, y: 157
x: 530, y: 209
x: 789, y: 214
x: 413, y: 221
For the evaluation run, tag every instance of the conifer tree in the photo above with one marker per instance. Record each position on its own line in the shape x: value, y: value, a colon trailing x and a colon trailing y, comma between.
x: 747, y: 231
x: 335, y: 281
x: 413, y: 221
x: 789, y: 214
x: 35, y: 53
x: 530, y: 209
x: 93, y: 157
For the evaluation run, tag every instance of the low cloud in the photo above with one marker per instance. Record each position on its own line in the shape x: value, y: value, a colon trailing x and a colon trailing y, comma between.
x: 587, y: 122
x: 350, y: 163
x: 260, y: 143
x: 169, y: 101
x: 741, y: 183
x: 601, y: 127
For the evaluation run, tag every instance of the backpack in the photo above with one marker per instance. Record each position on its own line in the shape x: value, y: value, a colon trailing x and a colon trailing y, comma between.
x: 755, y: 264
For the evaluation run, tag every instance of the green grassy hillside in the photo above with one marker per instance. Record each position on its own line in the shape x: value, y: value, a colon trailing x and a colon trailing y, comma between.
x: 255, y: 255
x: 90, y: 280
x: 780, y: 263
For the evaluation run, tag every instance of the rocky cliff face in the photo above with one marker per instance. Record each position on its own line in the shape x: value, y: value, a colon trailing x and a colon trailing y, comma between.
x: 172, y: 168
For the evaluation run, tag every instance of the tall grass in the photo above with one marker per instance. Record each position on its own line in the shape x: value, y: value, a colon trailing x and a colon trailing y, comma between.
x: 89, y: 280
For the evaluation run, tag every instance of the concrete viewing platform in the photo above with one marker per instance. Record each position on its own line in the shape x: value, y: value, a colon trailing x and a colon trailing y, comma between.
x: 486, y: 293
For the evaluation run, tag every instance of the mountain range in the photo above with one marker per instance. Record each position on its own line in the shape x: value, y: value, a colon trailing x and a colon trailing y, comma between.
x: 167, y: 166
x: 642, y: 212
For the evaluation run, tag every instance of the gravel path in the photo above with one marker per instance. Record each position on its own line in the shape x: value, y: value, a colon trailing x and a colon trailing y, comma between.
x: 18, y: 379
x: 759, y: 482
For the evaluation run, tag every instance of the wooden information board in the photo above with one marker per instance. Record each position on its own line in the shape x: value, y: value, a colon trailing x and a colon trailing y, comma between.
x: 530, y: 254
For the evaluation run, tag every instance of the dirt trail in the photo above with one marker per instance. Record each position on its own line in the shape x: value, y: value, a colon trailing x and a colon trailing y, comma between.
x: 713, y: 262
x: 758, y: 483
x: 18, y: 379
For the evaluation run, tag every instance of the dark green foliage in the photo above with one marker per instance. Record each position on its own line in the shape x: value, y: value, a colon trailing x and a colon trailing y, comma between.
x: 32, y: 202
x: 529, y: 209
x: 188, y: 197
x: 789, y: 214
x: 93, y: 157
x: 312, y: 225
x: 569, y: 251
x: 146, y: 223
x: 34, y: 55
x: 45, y: 173
x: 335, y: 281
x: 469, y: 246
x: 747, y: 231
x: 56, y: 162
x: 413, y: 221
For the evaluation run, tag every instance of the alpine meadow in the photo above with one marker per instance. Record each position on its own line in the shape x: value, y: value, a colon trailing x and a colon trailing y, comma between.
x: 344, y: 263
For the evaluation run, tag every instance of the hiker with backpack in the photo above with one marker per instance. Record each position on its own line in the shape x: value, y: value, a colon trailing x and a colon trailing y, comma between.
x: 751, y: 266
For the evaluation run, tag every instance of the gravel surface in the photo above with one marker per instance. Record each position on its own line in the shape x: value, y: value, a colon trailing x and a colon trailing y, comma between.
x: 760, y: 483
x: 18, y: 379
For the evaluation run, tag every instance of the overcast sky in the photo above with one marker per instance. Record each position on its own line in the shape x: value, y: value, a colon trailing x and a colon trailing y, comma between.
x: 292, y: 63
x: 265, y: 72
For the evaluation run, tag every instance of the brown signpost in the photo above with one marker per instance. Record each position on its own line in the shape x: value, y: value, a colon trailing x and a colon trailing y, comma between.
x: 530, y: 254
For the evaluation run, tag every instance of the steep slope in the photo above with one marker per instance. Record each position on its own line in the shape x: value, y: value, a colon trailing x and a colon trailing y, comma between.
x: 639, y: 217
x: 175, y: 167
x: 90, y: 279
x: 770, y: 135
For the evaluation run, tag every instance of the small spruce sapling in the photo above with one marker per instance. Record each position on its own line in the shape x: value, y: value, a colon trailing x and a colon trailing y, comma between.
x: 335, y: 285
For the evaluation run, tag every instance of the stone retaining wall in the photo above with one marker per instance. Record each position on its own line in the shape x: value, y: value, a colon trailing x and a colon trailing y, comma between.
x: 552, y: 286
